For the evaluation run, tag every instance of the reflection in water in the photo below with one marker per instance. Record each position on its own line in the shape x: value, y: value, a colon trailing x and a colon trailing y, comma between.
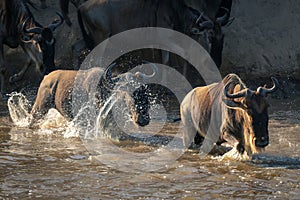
x: 45, y: 165
x: 272, y: 161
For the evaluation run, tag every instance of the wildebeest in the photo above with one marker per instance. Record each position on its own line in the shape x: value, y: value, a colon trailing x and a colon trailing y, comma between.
x: 229, y: 112
x: 18, y: 27
x: 101, y: 19
x: 56, y: 91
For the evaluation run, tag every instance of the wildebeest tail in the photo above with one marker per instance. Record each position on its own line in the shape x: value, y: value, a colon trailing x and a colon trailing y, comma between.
x: 88, y: 41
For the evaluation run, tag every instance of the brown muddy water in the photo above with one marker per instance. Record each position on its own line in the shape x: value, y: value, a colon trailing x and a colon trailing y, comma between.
x: 43, y: 164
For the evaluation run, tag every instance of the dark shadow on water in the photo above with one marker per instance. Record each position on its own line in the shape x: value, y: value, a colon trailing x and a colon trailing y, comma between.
x: 146, y: 139
x: 274, y: 161
x: 259, y: 160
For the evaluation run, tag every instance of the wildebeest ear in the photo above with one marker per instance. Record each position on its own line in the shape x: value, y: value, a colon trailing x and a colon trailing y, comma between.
x: 233, y: 104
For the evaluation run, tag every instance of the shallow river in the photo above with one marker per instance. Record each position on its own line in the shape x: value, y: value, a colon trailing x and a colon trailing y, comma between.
x: 46, y: 165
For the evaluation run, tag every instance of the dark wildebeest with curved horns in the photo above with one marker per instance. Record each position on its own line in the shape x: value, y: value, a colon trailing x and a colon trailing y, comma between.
x: 18, y: 27
x: 227, y: 112
x: 99, y: 20
x: 56, y: 91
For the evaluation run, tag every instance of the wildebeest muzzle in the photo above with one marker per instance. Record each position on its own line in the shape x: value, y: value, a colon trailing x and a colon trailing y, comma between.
x: 262, y: 141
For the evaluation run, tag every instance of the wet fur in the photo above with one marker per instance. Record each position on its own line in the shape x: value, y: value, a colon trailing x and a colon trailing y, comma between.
x: 204, y: 105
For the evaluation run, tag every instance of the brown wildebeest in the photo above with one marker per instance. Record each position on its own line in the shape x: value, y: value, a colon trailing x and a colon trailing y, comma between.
x: 232, y: 113
x: 56, y: 91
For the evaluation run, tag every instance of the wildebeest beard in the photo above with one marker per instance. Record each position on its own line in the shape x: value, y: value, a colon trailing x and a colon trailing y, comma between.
x: 250, y: 116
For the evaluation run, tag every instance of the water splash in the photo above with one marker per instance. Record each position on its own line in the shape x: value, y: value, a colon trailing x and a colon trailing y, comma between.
x: 234, y: 154
x: 102, y: 118
x: 276, y: 161
x: 18, y: 106
x: 112, y: 120
x: 19, y: 110
x: 53, y: 120
x: 83, y: 124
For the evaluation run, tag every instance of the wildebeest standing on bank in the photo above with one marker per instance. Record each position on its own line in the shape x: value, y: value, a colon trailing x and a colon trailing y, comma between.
x: 101, y: 19
x: 56, y: 91
x: 231, y: 113
x: 18, y: 27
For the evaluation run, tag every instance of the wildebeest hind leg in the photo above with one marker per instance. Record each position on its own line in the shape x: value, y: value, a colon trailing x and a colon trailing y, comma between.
x: 189, y: 133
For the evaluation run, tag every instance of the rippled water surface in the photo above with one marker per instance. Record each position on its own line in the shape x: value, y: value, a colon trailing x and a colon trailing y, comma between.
x: 42, y: 164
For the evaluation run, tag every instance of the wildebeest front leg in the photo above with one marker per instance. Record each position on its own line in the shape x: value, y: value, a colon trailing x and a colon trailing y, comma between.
x: 41, y: 105
x: 232, y: 141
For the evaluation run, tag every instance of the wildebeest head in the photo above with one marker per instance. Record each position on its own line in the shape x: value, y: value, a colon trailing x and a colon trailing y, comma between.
x: 43, y: 42
x: 131, y: 88
x: 252, y: 112
x: 210, y: 35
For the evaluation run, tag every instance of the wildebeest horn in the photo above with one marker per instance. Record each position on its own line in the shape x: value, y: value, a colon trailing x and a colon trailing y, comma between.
x: 108, y: 76
x: 223, y: 20
x: 145, y: 76
x: 56, y: 24
x: 206, y: 25
x: 243, y: 93
x: 204, y: 22
x: 36, y: 30
x: 263, y: 91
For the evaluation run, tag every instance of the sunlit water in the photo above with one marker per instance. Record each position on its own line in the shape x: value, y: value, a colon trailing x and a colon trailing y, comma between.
x: 55, y: 163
